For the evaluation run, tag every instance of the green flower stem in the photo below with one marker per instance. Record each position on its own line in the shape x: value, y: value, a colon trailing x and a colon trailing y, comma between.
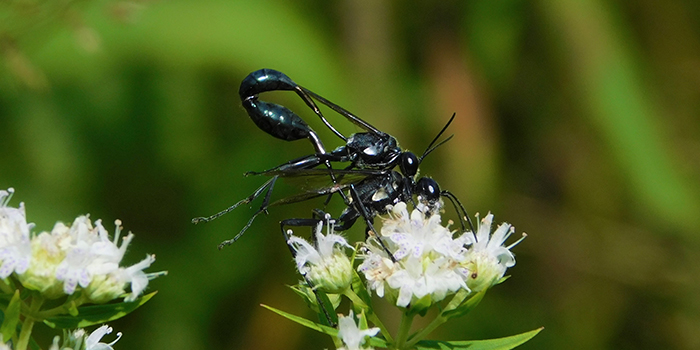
x: 456, y: 301
x: 404, y: 329
x: 62, y: 309
x: 369, y: 313
x: 26, y: 333
x: 425, y: 331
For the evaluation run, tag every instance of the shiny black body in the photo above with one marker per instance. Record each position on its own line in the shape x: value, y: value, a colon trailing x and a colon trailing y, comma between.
x: 372, y: 149
x: 373, y: 154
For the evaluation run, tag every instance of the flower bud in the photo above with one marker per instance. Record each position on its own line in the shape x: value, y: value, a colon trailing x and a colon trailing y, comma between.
x: 333, y: 275
x: 104, y: 288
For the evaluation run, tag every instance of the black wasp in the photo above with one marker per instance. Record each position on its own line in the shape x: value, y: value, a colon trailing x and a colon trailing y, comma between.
x: 367, y: 185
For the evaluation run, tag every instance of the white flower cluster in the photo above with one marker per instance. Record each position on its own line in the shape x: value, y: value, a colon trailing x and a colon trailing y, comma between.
x: 69, y: 258
x: 429, y: 262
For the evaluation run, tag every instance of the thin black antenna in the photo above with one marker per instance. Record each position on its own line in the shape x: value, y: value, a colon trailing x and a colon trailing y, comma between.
x: 459, y: 206
x: 427, y: 151
x: 430, y: 147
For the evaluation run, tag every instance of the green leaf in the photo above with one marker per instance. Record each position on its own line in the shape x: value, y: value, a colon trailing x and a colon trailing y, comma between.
x: 374, y: 341
x: 97, y: 314
x: 11, y: 317
x: 490, y: 344
x: 304, y: 322
x: 310, y: 298
x: 378, y: 342
x: 322, y: 316
x: 363, y: 320
x: 359, y: 288
x: 464, y: 307
x: 503, y: 279
x: 304, y: 292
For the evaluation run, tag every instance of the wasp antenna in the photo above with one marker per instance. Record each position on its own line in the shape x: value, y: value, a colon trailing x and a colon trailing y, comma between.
x: 430, y: 147
x: 428, y: 151
x: 458, y: 205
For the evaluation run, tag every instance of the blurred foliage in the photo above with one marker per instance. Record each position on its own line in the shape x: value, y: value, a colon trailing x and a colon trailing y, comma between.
x: 577, y: 121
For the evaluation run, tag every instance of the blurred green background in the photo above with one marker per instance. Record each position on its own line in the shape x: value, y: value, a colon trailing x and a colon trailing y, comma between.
x: 577, y: 121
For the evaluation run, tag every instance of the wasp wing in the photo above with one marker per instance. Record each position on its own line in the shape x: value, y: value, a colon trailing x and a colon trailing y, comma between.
x: 311, y: 194
x: 322, y: 179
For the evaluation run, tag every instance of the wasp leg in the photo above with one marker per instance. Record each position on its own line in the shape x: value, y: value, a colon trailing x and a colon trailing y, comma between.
x: 369, y: 220
x: 266, y: 187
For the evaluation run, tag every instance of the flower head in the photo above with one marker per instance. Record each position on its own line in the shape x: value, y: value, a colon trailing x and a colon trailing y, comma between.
x: 70, y: 258
x: 325, y: 264
x: 487, y: 259
x: 425, y: 257
x: 352, y: 336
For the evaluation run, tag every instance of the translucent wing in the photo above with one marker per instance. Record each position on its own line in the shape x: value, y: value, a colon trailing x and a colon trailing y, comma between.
x: 320, y: 179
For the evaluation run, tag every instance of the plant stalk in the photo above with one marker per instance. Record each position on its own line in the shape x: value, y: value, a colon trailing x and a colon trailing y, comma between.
x: 404, y: 329
x: 26, y: 334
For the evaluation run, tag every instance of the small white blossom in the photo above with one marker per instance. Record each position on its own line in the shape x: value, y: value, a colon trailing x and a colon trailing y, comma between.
x: 352, y: 336
x: 15, y: 248
x: 107, y: 254
x: 377, y: 268
x: 93, y: 340
x: 73, y: 269
x: 139, y: 280
x: 325, y: 264
x: 419, y: 278
x: 487, y: 259
x: 80, y: 340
